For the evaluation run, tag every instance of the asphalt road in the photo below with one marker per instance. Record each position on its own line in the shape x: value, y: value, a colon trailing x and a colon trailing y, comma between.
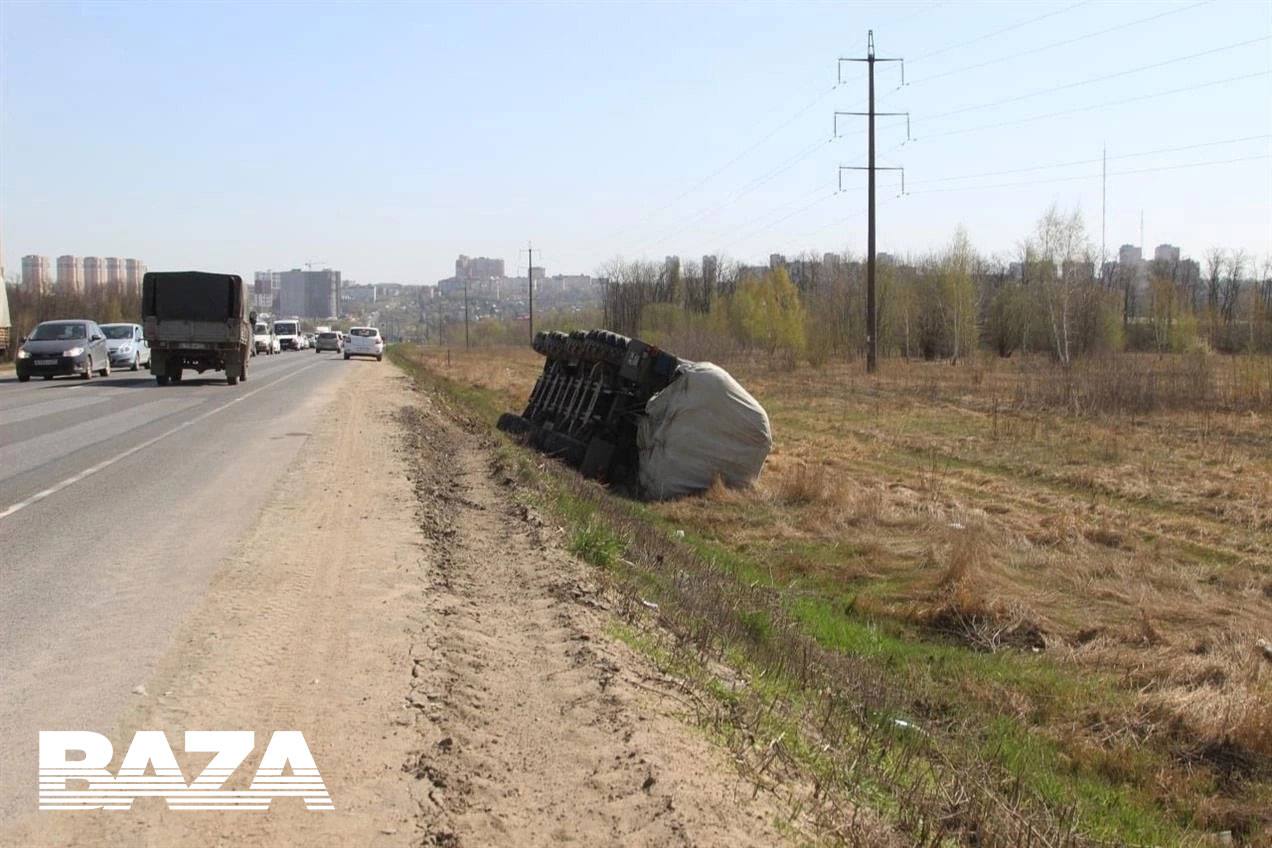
x: 118, y: 498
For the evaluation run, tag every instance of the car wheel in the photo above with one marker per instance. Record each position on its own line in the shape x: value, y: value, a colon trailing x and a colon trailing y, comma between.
x: 24, y: 378
x: 106, y: 371
x: 378, y: 357
x: 136, y: 363
x: 88, y: 369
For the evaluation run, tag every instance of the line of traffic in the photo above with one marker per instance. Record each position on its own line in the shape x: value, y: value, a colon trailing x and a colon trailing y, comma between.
x: 93, y: 469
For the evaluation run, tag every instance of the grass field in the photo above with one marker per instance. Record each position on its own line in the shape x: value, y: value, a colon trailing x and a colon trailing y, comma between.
x: 1086, y: 591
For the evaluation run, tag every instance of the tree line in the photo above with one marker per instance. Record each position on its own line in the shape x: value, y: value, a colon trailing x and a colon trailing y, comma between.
x: 1053, y: 296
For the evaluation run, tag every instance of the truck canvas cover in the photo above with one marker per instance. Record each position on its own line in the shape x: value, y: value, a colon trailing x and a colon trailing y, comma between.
x: 192, y: 296
x: 703, y: 425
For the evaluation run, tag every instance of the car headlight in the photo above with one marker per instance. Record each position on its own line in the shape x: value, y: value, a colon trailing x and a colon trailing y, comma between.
x: 75, y: 351
x: 126, y: 348
x: 23, y: 354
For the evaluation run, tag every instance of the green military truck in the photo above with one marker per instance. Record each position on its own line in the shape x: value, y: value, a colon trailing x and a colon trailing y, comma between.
x: 197, y: 320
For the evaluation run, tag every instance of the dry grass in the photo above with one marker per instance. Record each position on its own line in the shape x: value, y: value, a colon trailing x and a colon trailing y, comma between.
x: 1123, y: 536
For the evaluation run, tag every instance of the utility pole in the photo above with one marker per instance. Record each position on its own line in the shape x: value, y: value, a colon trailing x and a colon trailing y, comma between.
x: 465, y: 313
x: 872, y: 314
x: 1104, y: 206
x: 529, y: 282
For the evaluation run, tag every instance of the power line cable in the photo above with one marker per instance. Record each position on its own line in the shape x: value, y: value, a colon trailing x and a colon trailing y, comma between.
x: 1002, y: 31
x: 1151, y: 170
x: 700, y: 183
x: 1091, y: 161
x: 1033, y: 50
x: 1095, y: 106
x: 1100, y: 78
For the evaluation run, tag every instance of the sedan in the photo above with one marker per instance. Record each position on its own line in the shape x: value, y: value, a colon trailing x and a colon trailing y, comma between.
x: 127, y: 345
x: 63, y: 347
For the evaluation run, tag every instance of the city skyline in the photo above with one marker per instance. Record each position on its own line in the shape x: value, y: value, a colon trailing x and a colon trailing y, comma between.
x: 722, y: 146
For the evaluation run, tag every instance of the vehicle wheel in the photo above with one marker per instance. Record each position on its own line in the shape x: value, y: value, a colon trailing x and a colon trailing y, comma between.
x: 231, y: 379
x: 161, y: 379
x: 346, y: 357
x: 88, y: 369
x: 24, y: 378
x: 48, y: 376
x: 136, y: 366
x: 378, y: 358
x: 106, y: 371
x: 174, y: 374
x: 243, y: 373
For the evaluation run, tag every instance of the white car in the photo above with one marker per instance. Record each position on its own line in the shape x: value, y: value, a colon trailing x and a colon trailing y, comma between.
x: 364, y: 341
x: 264, y: 340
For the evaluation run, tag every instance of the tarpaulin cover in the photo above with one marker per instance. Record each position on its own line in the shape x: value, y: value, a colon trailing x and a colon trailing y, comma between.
x: 703, y: 425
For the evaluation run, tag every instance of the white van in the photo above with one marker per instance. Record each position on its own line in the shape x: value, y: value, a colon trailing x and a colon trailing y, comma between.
x: 288, y: 333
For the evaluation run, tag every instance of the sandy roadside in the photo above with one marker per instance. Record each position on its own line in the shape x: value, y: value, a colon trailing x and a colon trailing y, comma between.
x: 439, y: 653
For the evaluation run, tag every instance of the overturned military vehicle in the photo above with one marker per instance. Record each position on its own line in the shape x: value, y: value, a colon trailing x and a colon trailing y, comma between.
x: 624, y: 412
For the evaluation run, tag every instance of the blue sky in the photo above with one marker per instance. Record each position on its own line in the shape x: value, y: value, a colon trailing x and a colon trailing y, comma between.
x: 384, y: 139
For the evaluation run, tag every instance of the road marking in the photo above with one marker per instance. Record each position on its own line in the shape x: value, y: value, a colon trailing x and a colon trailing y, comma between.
x: 106, y: 463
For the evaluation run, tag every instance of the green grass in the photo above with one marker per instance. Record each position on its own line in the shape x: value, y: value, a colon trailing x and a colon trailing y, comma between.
x: 960, y: 684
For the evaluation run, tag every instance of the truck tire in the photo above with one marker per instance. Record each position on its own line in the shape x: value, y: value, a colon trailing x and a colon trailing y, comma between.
x: 161, y: 379
x: 231, y: 379
x: 24, y: 378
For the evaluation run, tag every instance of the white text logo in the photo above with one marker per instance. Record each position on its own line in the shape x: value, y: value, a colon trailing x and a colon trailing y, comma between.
x: 150, y: 770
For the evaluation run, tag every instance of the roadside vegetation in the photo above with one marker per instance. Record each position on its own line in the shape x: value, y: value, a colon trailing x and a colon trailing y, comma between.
x: 1051, y: 612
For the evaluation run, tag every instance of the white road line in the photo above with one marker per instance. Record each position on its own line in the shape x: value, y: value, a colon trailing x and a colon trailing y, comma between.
x: 88, y: 472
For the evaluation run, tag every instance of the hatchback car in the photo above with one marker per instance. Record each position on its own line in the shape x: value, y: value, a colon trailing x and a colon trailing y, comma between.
x: 63, y: 347
x: 127, y: 346
x: 364, y: 341
x: 329, y: 341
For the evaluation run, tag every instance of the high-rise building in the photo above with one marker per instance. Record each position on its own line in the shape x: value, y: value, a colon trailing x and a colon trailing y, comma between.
x: 478, y: 268
x: 1129, y: 255
x: 94, y: 272
x: 115, y: 271
x: 134, y: 270
x: 70, y: 274
x: 309, y: 294
x: 35, y: 273
x: 1166, y: 253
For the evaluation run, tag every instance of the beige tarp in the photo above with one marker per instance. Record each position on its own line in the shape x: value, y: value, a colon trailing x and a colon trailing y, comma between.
x: 703, y: 425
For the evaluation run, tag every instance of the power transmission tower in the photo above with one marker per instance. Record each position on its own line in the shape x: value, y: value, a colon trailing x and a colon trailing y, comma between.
x: 872, y: 314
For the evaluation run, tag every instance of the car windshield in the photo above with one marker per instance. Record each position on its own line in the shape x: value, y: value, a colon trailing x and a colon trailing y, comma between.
x: 58, y: 331
x: 286, y: 328
x: 262, y: 329
x: 118, y: 331
x: 365, y: 332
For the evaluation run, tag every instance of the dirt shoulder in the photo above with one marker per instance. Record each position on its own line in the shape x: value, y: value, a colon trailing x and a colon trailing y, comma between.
x: 446, y: 661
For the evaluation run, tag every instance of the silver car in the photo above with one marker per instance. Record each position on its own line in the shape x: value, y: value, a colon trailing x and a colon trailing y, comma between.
x: 127, y: 346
